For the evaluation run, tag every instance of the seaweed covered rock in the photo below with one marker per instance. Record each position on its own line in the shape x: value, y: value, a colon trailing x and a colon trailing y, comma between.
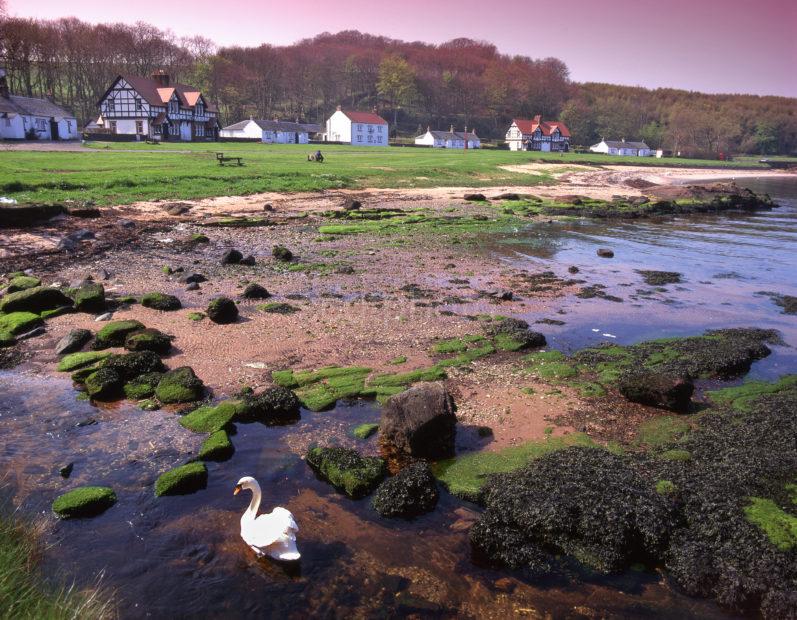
x: 255, y: 291
x: 148, y: 340
x: 583, y: 502
x: 217, y: 447
x: 475, y: 197
x: 22, y: 283
x: 347, y: 470
x: 161, y: 301
x: 180, y: 385
x: 658, y: 389
x: 115, y: 333
x: 365, y: 430
x: 411, y: 492
x: 74, y: 361
x: 274, y: 406
x: 210, y: 418
x: 84, y: 502
x: 222, y: 310
x: 16, y: 323
x: 659, y: 278
x: 35, y: 300
x: 418, y: 423
x: 75, y: 340
x: 182, y: 480
x: 514, y: 335
x: 133, y: 364
x: 281, y: 253
x: 104, y: 384
x: 89, y: 297
x: 142, y: 386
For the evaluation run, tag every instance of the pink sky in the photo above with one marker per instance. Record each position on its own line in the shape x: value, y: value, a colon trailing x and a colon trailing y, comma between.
x: 745, y: 46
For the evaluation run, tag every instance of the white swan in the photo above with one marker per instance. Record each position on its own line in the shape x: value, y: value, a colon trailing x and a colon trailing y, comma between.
x: 272, y: 534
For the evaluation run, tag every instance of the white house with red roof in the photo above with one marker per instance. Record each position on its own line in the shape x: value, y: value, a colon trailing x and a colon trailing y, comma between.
x: 358, y: 128
x: 157, y: 108
x: 538, y: 135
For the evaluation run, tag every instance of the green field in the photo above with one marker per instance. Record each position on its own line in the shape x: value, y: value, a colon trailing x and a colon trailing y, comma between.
x: 120, y: 173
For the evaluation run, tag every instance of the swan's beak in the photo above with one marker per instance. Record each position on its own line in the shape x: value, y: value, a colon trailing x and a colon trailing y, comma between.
x: 237, y: 489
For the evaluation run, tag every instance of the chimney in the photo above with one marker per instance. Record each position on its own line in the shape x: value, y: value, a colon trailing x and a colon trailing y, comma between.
x: 161, y: 77
x: 622, y: 139
x: 4, y: 92
x: 428, y: 128
x: 338, y: 108
x: 451, y: 129
x: 538, y: 119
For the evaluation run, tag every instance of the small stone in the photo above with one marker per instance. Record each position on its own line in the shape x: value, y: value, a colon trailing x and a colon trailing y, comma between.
x: 255, y: 291
x: 192, y: 286
x: 231, y: 257
x: 193, y: 277
x: 66, y: 470
x: 104, y: 317
x: 249, y: 261
x: 572, y: 269
x: 282, y: 253
x: 605, y: 253
x: 268, y: 207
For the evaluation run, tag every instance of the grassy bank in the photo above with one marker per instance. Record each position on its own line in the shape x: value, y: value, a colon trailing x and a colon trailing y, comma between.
x: 23, y: 591
x: 120, y: 173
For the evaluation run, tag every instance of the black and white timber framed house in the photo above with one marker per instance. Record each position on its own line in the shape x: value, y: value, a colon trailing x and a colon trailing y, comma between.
x: 155, y: 108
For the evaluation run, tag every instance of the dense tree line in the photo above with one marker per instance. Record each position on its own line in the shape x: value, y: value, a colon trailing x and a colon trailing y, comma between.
x: 461, y: 82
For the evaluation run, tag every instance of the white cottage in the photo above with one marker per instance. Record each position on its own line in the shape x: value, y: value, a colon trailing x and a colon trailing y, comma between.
x: 31, y: 118
x: 359, y: 128
x: 449, y: 139
x: 621, y: 147
x: 156, y: 108
x: 538, y: 135
x: 271, y: 132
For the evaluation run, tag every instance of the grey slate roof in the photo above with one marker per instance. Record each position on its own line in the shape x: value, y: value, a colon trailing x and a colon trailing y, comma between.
x: 287, y: 126
x: 619, y: 144
x: 449, y: 135
x: 30, y: 106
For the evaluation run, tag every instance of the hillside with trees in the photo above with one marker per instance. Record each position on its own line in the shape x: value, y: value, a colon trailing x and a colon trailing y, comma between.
x: 413, y: 84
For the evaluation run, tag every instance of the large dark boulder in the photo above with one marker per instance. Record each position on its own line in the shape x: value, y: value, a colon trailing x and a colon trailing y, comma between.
x: 274, y: 406
x: 222, y: 310
x: 255, y: 291
x: 418, y: 423
x: 34, y: 300
x: 133, y: 364
x: 411, y: 492
x: 231, y: 257
x: 671, y: 391
x: 90, y: 297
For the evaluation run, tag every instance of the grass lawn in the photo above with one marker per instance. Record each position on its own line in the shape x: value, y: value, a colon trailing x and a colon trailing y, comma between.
x: 120, y: 173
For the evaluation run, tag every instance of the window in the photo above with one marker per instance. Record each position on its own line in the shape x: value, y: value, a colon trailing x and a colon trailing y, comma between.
x: 139, y: 105
x: 69, y: 126
x: 359, y: 127
x: 113, y: 126
x: 111, y: 105
x: 370, y: 138
x: 379, y: 139
x: 200, y: 130
x: 156, y: 129
x: 381, y: 127
x: 139, y: 127
x: 359, y: 138
x: 370, y: 129
x: 41, y: 124
x: 8, y: 122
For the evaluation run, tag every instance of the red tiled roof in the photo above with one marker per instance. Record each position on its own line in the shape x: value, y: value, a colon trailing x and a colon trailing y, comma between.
x: 527, y: 126
x: 155, y: 94
x: 369, y: 118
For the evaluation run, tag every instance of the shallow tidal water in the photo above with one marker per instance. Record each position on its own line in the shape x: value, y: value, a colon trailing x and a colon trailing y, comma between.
x: 183, y: 557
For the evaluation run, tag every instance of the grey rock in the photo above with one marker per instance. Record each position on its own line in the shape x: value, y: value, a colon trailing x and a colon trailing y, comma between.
x: 75, y: 340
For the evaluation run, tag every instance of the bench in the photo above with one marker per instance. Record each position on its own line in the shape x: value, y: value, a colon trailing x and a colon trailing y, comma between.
x: 221, y: 159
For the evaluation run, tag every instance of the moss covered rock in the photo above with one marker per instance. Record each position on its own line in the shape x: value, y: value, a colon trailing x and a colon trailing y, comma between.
x: 115, y: 333
x: 217, y: 447
x: 90, y: 297
x: 34, y: 300
x: 278, y: 308
x: 209, y: 418
x: 222, y: 310
x: 133, y: 364
x: 104, y: 384
x: 161, y: 301
x: 182, y: 480
x: 255, y: 291
x: 22, y: 283
x: 73, y: 361
x: 148, y: 340
x: 411, y: 492
x: 142, y: 386
x: 364, y: 431
x: 16, y: 323
x: 347, y: 470
x: 180, y: 385
x: 281, y: 253
x: 84, y: 502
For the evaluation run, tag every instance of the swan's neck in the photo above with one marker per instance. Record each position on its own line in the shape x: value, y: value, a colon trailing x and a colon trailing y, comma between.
x: 254, y: 505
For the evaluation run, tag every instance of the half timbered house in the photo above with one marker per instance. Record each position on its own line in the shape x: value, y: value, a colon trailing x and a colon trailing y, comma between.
x: 155, y: 108
x: 538, y: 135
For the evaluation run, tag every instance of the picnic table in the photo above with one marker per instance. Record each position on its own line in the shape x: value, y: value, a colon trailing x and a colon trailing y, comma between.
x: 221, y: 158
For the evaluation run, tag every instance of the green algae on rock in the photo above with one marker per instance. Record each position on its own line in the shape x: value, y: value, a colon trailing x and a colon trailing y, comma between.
x: 22, y: 283
x: 85, y: 501
x: 74, y: 361
x: 217, y: 447
x: 104, y: 384
x: 364, y: 431
x: 161, y: 301
x: 35, y: 299
x: 15, y: 323
x: 180, y: 385
x: 222, y: 310
x: 210, y: 418
x: 182, y: 480
x: 743, y: 397
x: 278, y: 307
x: 89, y: 297
x: 114, y: 333
x: 142, y: 386
x: 347, y: 470
x: 148, y: 340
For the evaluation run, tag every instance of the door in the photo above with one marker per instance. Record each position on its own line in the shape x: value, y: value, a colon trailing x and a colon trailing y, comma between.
x: 53, y: 129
